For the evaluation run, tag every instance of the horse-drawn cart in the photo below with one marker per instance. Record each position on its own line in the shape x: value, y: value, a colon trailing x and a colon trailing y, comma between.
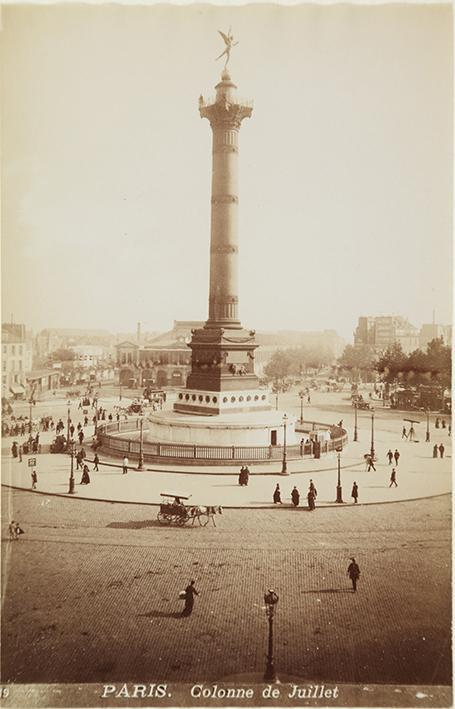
x: 174, y: 511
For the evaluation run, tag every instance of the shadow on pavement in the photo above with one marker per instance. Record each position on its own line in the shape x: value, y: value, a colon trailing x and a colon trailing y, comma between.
x: 134, y: 524
x: 159, y: 614
x: 329, y: 590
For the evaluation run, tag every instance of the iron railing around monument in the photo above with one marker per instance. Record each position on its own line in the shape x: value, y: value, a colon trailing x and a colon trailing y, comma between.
x: 110, y: 440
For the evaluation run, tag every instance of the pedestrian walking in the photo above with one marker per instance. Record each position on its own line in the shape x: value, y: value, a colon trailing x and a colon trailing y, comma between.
x: 435, y: 450
x: 443, y: 423
x: 441, y: 450
x: 85, y: 480
x: 34, y: 479
x: 396, y: 455
x: 311, y: 500
x: 96, y: 461
x: 190, y: 593
x: 295, y: 496
x: 393, y: 478
x: 19, y: 450
x: 390, y: 456
x: 14, y: 450
x: 81, y: 436
x: 79, y: 426
x: 370, y: 464
x: 85, y: 420
x: 246, y: 475
x: 355, y: 492
x: 277, y: 495
x: 125, y: 465
x: 354, y: 573
x: 79, y: 459
x: 72, y: 430
x: 436, y: 423
x: 313, y: 489
x: 404, y: 433
x: 308, y: 401
x: 411, y: 433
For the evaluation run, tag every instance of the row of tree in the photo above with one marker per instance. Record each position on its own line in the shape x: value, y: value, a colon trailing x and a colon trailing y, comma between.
x: 432, y: 366
x: 294, y: 361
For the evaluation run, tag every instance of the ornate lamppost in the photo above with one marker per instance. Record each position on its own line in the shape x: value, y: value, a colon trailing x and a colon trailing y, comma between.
x: 140, y: 465
x: 31, y: 402
x: 355, y: 423
x: 270, y: 600
x: 372, y: 451
x: 71, y: 490
x: 301, y: 395
x: 427, y: 436
x: 68, y: 424
x: 284, y: 465
x: 339, y: 488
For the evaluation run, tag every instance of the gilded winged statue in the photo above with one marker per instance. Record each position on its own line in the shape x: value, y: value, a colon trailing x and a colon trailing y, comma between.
x: 229, y: 42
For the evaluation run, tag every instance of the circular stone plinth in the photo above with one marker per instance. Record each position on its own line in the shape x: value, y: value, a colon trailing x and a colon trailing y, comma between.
x: 260, y: 428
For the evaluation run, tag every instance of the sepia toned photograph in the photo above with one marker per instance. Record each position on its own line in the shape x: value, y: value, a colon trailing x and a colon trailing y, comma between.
x: 226, y: 355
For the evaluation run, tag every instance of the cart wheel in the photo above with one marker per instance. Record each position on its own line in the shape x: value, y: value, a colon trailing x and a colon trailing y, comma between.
x: 181, y: 520
x: 163, y: 519
x: 203, y: 524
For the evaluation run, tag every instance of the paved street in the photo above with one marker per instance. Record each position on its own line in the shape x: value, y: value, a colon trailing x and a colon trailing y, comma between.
x: 92, y: 593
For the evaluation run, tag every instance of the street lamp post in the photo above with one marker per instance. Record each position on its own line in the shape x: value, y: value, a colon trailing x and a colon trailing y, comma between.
x: 301, y: 394
x: 140, y: 465
x: 270, y: 599
x: 355, y: 423
x: 427, y: 437
x: 71, y: 490
x: 339, y: 488
x: 372, y: 451
x: 68, y: 424
x: 31, y: 403
x: 284, y: 466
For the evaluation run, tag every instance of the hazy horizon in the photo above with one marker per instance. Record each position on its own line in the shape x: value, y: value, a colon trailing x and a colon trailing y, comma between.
x: 345, y: 164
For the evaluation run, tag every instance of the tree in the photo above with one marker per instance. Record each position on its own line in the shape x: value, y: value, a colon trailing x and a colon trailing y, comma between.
x: 278, y: 368
x: 358, y: 360
x: 63, y: 355
x: 392, y: 364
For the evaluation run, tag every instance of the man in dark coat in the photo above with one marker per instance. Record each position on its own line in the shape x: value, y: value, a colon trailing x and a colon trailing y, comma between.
x: 396, y: 455
x: 393, y: 478
x: 355, y: 491
x: 190, y: 592
x: 277, y: 495
x: 390, y: 456
x: 311, y: 499
x: 96, y: 461
x: 295, y: 496
x: 441, y: 450
x: 435, y: 450
x: 353, y: 573
x: 79, y: 459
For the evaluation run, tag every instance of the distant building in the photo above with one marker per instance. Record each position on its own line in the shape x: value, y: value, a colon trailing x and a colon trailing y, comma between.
x: 432, y: 331
x: 165, y: 361
x: 16, y: 359
x: 269, y: 342
x: 384, y: 330
x: 92, y: 355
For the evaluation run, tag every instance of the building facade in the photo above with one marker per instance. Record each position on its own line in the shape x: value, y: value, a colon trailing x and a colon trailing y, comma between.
x: 163, y: 362
x: 382, y: 331
x: 16, y: 360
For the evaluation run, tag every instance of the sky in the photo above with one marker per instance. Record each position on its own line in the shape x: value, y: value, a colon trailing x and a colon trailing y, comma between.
x: 345, y: 165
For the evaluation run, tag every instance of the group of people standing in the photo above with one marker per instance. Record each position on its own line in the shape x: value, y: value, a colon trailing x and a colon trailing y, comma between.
x: 295, y: 496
